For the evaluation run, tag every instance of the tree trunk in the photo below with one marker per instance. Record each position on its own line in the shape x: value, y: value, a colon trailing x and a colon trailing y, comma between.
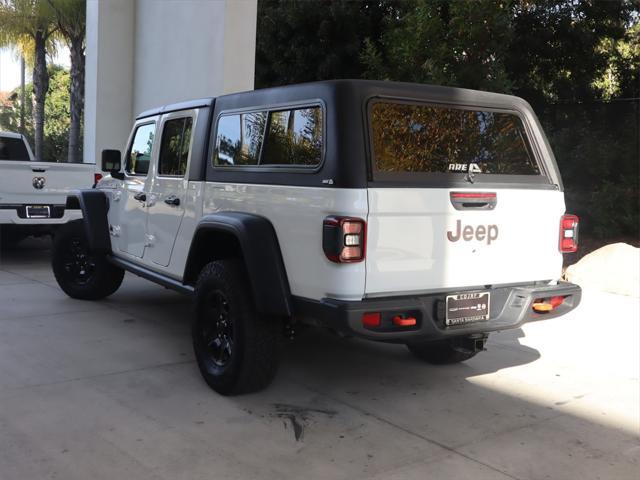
x: 76, y: 106
x: 40, y: 87
x: 23, y: 96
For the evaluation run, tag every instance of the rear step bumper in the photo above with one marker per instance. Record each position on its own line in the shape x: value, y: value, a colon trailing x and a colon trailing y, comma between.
x: 511, y: 307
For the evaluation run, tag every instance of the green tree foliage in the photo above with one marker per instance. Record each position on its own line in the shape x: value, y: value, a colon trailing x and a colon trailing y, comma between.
x: 555, y: 53
x: 621, y: 79
x: 306, y: 40
x: 56, y: 110
x: 459, y: 43
x: 25, y: 21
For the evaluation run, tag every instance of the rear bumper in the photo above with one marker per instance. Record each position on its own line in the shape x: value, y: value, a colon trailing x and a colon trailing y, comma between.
x: 15, y: 215
x: 511, y: 307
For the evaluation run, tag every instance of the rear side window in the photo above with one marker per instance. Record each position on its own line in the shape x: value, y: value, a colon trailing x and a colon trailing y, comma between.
x: 13, y: 149
x: 140, y: 151
x: 291, y: 137
x: 240, y: 138
x: 294, y: 137
x: 435, y: 139
x: 174, y: 148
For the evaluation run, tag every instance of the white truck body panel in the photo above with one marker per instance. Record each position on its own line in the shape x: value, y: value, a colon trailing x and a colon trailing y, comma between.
x: 60, y: 179
x: 408, y: 250
x: 297, y: 214
x: 30, y: 183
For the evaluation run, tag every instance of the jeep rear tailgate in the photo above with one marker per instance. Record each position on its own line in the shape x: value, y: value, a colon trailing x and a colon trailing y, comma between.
x: 417, y: 241
x: 460, y: 197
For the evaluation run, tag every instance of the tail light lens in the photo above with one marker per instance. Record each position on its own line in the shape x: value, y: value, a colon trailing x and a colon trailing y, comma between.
x: 569, y: 233
x: 371, y: 319
x: 343, y: 239
x: 545, y: 305
x: 97, y: 177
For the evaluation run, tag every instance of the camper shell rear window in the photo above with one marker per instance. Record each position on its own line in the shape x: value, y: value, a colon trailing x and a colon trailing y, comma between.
x: 410, y: 140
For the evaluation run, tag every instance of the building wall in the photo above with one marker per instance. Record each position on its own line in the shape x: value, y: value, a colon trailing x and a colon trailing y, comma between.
x: 108, y: 75
x: 146, y: 53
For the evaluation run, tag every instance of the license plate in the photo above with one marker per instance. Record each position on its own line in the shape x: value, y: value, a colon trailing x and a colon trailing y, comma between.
x: 467, y: 308
x: 38, y: 211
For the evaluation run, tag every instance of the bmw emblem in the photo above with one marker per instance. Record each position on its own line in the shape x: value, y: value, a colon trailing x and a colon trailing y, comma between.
x: 38, y: 183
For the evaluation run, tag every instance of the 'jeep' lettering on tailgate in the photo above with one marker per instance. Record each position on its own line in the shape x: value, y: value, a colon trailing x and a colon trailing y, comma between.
x: 468, y: 233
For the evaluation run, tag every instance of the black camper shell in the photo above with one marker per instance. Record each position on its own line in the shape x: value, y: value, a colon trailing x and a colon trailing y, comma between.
x: 346, y: 155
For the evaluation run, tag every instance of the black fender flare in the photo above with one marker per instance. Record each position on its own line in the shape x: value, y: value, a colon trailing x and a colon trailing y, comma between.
x: 94, y: 205
x: 260, y: 251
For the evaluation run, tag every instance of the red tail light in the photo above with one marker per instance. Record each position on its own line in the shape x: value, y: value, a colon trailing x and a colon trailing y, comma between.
x: 371, y: 319
x: 97, y: 177
x: 568, y: 234
x: 343, y: 239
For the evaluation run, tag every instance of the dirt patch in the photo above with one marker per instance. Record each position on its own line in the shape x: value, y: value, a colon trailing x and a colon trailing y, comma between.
x: 298, y: 418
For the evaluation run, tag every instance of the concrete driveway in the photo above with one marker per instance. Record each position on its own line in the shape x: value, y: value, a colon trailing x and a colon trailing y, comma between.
x: 109, y: 390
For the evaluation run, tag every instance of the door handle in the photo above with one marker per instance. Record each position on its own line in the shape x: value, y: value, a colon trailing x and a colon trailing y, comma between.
x: 141, y: 197
x: 172, y: 200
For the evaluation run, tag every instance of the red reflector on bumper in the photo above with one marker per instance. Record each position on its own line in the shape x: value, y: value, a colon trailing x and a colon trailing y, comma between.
x: 371, y: 320
x: 556, y: 301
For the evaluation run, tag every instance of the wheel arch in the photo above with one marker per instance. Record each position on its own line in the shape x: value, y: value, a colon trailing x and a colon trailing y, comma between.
x: 94, y: 205
x: 253, y: 239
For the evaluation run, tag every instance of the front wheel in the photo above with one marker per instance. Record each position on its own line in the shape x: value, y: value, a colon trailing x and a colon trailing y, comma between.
x: 80, y: 273
x: 235, y: 347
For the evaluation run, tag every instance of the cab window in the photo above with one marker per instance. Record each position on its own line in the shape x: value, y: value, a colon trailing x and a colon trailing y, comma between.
x: 140, y: 151
x: 174, y: 147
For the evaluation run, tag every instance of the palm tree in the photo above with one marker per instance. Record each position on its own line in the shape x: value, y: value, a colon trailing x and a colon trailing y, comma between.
x: 71, y: 22
x: 25, y: 21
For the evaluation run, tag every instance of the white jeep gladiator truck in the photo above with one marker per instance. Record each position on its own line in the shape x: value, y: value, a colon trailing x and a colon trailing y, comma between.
x: 413, y: 214
x: 33, y: 194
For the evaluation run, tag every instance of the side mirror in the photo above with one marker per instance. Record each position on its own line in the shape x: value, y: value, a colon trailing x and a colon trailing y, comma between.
x: 112, y: 163
x: 111, y: 160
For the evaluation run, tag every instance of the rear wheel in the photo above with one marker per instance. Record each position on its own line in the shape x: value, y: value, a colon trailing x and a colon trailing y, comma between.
x: 453, y: 350
x: 235, y: 347
x: 80, y: 273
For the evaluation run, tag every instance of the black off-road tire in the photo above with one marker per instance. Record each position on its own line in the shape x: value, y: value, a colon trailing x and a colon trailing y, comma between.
x: 441, y: 352
x: 235, y: 347
x: 81, y: 274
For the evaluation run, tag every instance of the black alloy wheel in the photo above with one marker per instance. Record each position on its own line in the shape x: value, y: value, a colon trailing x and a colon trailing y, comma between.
x: 217, y: 329
x: 79, y: 266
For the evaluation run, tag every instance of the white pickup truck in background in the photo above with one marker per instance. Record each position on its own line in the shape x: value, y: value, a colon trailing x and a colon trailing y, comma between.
x: 33, y: 193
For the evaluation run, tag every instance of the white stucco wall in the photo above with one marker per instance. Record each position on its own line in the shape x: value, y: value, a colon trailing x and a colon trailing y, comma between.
x: 108, y: 76
x: 146, y: 53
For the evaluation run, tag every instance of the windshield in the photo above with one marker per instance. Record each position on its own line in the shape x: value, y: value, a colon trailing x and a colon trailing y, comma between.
x: 409, y: 137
